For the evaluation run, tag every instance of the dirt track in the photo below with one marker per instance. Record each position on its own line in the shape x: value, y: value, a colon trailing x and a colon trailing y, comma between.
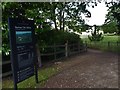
x: 93, y: 69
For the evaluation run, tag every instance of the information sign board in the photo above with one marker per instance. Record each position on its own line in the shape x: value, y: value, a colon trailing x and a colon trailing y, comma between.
x: 23, y: 52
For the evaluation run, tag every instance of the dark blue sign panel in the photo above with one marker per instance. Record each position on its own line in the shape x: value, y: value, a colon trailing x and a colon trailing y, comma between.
x: 22, y: 43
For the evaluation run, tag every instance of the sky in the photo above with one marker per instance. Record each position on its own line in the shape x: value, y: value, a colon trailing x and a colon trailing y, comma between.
x: 97, y: 14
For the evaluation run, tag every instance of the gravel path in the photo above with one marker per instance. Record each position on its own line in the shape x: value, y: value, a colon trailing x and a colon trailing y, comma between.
x: 93, y: 69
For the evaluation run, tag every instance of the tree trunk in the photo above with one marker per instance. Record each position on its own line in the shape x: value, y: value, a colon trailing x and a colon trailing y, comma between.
x: 63, y: 22
x: 54, y: 17
x: 60, y: 19
x: 61, y: 16
x: 95, y: 29
x: 55, y: 23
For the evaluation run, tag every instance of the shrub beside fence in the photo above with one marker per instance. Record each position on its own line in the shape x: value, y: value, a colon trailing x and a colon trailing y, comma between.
x: 55, y: 52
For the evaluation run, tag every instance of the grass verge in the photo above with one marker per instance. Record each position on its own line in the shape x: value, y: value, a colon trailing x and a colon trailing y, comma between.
x: 43, y: 75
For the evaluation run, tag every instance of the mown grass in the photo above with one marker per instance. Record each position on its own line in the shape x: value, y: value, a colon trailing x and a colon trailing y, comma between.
x: 43, y: 75
x: 111, y: 38
x: 109, y: 43
x: 106, y: 39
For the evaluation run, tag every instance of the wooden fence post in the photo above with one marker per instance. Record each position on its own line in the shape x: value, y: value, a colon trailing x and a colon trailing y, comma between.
x: 78, y: 47
x: 117, y: 43
x: 66, y: 49
x: 108, y: 44
x: 85, y: 45
x: 39, y: 56
x: 55, y: 51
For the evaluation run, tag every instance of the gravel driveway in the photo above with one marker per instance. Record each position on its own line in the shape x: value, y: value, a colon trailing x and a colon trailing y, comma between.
x: 93, y: 69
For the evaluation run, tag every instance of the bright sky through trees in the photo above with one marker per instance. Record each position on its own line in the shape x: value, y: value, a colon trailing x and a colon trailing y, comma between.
x: 97, y: 14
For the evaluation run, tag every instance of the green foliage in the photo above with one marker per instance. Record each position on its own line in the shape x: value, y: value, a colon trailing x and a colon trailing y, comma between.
x: 5, y: 42
x: 20, y: 10
x: 69, y: 14
x: 85, y: 27
x: 47, y: 38
x: 73, y: 18
x: 114, y: 14
x: 51, y: 37
x: 96, y: 37
x: 110, y: 27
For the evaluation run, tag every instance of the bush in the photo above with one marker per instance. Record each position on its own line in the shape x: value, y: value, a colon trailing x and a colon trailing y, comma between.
x: 52, y: 37
x: 95, y: 37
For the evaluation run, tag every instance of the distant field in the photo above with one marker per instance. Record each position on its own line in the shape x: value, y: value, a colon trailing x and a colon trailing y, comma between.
x: 111, y: 38
x: 106, y: 39
x: 109, y: 43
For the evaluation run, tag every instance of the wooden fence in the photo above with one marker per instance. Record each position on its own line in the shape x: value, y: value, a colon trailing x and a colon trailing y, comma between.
x: 107, y: 46
x: 65, y: 50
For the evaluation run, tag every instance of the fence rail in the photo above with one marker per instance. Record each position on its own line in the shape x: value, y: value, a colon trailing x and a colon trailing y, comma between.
x: 67, y: 50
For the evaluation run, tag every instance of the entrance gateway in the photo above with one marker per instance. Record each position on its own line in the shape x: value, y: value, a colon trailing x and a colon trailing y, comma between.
x: 23, y: 52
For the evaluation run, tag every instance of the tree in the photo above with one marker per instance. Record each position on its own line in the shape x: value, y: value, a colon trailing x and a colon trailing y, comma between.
x: 110, y: 27
x: 67, y: 14
x: 73, y: 15
x: 114, y: 14
x: 40, y: 12
x: 85, y: 27
x: 96, y: 36
x: 19, y: 10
